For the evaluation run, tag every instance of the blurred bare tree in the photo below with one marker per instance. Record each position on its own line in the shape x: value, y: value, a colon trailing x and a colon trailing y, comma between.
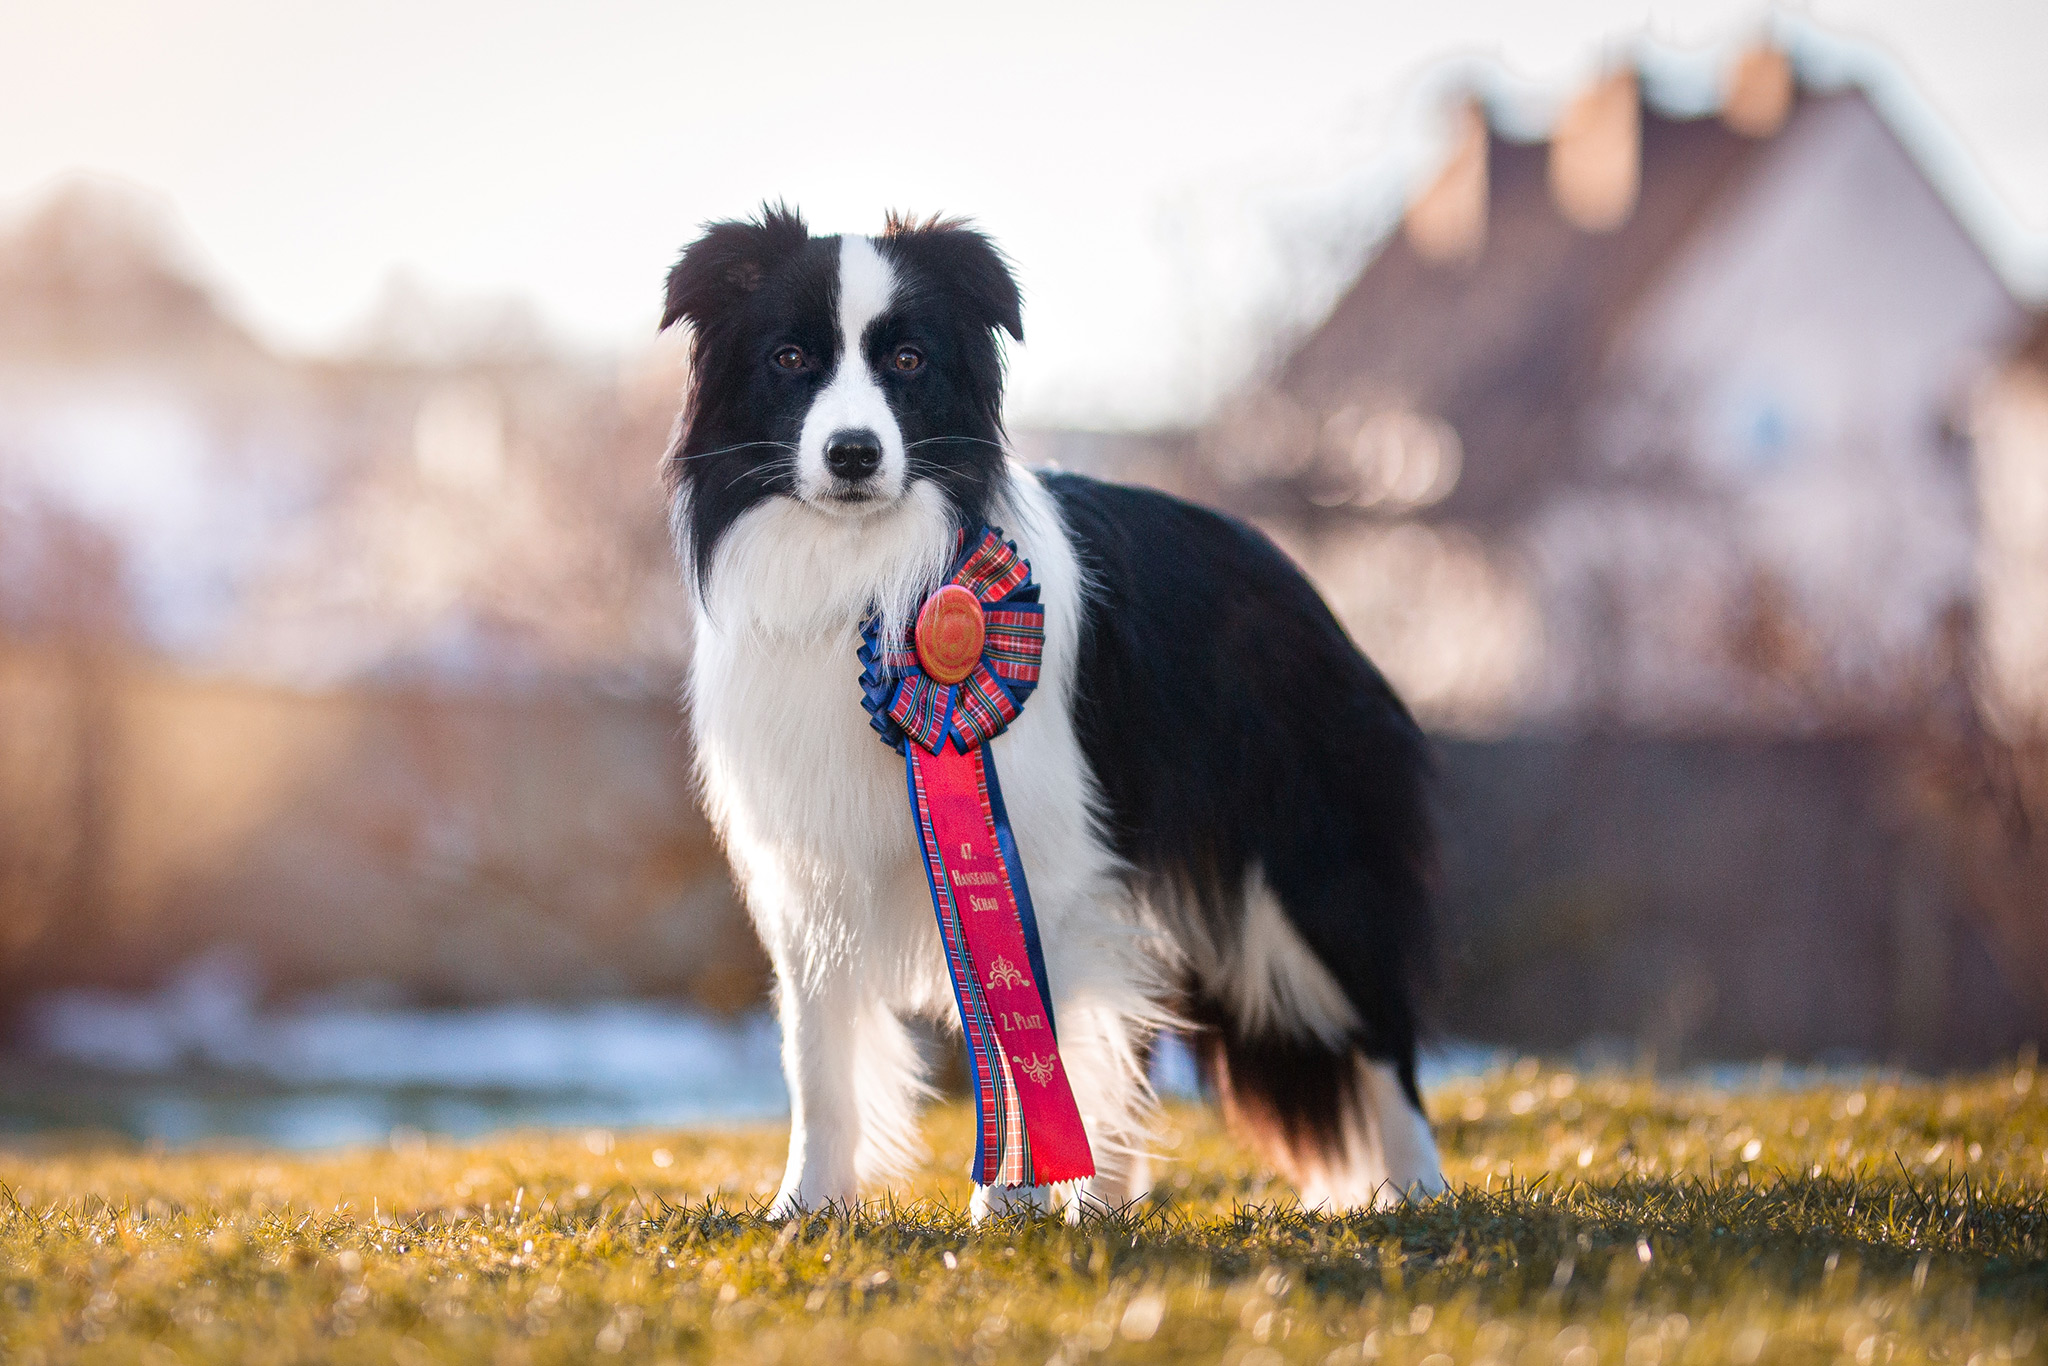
x: 1989, y: 796
x: 425, y: 729
x: 66, y: 628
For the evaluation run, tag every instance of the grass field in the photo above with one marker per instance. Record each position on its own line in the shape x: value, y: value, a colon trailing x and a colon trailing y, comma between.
x: 1595, y: 1219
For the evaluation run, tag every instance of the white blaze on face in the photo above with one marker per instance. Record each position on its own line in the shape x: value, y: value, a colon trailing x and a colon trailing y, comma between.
x: 852, y: 399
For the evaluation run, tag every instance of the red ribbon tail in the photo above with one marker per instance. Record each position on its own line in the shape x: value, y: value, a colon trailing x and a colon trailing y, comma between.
x: 1030, y: 1131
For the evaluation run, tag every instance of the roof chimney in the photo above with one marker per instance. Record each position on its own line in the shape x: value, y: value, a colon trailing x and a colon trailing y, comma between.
x: 1596, y: 154
x: 1759, y: 92
x: 1447, y: 222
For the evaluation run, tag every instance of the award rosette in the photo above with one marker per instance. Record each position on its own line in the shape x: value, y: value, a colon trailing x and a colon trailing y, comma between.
x: 937, y: 693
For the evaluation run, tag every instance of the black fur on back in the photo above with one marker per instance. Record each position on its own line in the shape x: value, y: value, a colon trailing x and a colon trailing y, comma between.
x: 1230, y: 723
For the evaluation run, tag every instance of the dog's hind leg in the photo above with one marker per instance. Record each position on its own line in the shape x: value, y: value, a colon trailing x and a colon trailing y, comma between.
x: 1385, y: 1152
x: 1408, y: 1154
x: 1313, y: 1052
x: 1341, y: 1125
x: 1121, y: 1176
x: 1116, y: 1102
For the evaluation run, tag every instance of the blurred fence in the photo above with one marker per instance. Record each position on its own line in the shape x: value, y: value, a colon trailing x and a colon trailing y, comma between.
x: 1677, y: 898
x: 453, y: 847
x: 1726, y: 897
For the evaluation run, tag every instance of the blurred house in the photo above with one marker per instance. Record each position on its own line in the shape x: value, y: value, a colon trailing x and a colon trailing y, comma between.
x: 1660, y: 422
x: 366, y: 665
x: 1641, y: 457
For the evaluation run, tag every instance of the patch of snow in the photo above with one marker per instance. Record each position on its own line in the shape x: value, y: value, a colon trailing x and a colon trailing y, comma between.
x: 202, y: 1056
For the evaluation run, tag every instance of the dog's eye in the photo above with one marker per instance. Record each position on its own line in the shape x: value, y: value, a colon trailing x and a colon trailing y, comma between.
x: 908, y: 358
x: 789, y: 358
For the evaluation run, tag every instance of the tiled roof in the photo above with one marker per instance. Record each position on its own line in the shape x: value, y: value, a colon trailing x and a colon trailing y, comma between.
x: 1504, y: 345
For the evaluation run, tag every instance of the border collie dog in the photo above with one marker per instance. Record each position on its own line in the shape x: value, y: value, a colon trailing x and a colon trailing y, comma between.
x: 1221, y: 805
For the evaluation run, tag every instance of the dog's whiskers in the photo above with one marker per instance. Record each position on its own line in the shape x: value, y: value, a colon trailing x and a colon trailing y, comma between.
x: 969, y: 440
x: 789, y: 446
x: 763, y: 471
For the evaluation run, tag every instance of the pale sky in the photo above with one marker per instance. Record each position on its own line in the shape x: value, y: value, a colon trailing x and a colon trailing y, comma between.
x: 1169, y: 179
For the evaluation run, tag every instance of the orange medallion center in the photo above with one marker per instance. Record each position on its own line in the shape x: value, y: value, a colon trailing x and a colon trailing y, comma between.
x: 950, y: 631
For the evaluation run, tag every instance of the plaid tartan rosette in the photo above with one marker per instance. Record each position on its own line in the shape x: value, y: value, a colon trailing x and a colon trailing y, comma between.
x: 905, y: 705
x: 1029, y: 1131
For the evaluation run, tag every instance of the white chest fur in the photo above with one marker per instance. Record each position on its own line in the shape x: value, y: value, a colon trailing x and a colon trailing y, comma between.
x: 811, y: 804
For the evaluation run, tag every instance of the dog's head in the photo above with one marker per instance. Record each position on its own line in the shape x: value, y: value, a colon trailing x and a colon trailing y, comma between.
x: 845, y: 375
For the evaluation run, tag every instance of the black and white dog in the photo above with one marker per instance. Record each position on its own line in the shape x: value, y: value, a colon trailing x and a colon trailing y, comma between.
x: 1220, y: 802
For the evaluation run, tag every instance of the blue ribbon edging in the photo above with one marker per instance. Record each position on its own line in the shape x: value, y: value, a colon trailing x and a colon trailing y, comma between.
x: 879, y: 687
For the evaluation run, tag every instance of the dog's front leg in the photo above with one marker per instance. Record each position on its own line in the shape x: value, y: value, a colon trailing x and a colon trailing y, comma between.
x: 819, y: 1016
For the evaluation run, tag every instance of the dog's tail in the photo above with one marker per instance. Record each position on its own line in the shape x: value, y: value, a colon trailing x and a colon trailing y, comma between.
x: 1305, y: 1013
x: 1347, y: 1128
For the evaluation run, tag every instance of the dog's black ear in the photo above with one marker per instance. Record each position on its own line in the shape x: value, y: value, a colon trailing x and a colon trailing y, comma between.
x: 729, y: 262
x: 962, y: 260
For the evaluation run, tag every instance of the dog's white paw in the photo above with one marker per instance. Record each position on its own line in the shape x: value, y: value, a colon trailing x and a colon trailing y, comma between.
x: 793, y: 1203
x: 996, y: 1200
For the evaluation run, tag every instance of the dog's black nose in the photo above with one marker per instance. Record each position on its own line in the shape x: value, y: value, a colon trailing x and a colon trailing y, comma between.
x: 853, y: 454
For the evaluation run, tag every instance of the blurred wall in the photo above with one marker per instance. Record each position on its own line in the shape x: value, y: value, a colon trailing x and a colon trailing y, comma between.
x: 1677, y: 898
x: 449, y: 847
x: 1726, y: 897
